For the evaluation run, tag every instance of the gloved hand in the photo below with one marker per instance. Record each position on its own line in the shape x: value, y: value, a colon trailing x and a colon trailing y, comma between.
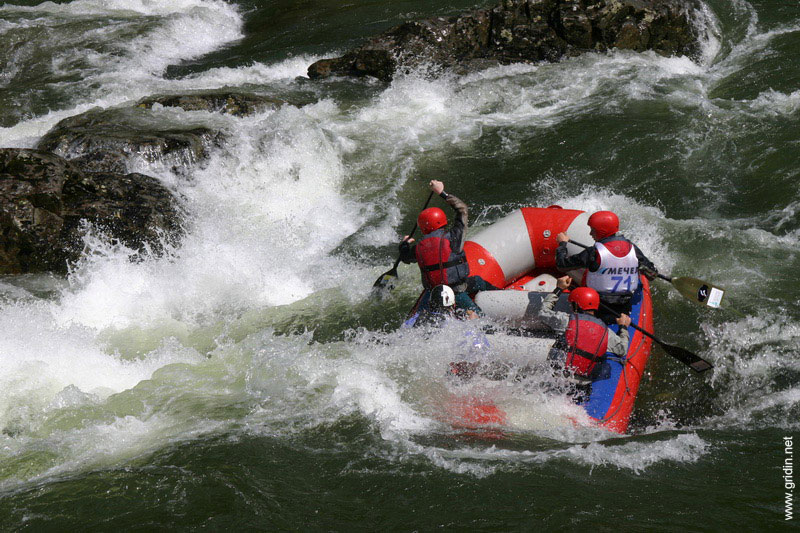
x: 649, y: 273
x: 405, y: 247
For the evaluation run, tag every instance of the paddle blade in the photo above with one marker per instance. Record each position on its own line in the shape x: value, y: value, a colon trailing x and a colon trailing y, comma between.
x: 385, y: 281
x: 697, y: 363
x: 699, y: 291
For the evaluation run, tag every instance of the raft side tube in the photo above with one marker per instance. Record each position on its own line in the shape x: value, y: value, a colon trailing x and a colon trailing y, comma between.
x: 523, y: 241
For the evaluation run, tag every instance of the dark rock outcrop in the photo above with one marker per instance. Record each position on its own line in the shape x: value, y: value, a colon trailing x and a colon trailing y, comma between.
x: 521, y: 31
x: 107, y: 140
x: 110, y: 140
x: 31, y: 210
x: 228, y: 102
x: 133, y: 208
x: 43, y: 199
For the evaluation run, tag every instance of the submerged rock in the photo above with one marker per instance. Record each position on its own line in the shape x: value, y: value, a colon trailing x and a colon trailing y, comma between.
x: 109, y: 140
x: 521, y: 31
x: 44, y: 198
x: 228, y: 102
x: 113, y: 140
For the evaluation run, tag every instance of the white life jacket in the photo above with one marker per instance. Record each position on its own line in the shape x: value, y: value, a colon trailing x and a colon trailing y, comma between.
x: 616, y: 275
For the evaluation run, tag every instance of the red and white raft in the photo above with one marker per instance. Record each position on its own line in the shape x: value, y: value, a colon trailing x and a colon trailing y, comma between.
x: 517, y: 253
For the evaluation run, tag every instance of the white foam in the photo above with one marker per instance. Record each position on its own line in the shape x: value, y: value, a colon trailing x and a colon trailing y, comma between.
x: 111, y: 7
x: 95, y: 446
x: 638, y: 456
x: 190, y: 35
x: 708, y: 28
x: 379, y: 398
x: 774, y: 103
x: 414, y: 114
x: 755, y: 44
x: 39, y: 359
x: 255, y: 74
x: 635, y: 456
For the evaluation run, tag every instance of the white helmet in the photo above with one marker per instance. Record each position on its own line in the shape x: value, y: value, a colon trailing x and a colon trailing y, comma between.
x: 442, y: 296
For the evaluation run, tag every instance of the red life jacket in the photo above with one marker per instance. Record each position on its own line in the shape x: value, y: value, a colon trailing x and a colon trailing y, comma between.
x: 587, y: 342
x: 437, y: 261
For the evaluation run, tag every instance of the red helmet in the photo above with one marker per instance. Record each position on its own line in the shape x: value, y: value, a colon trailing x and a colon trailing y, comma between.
x: 604, y: 224
x: 431, y: 219
x: 586, y: 298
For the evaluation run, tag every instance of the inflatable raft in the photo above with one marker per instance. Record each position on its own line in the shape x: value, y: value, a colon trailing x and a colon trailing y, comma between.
x: 517, y: 253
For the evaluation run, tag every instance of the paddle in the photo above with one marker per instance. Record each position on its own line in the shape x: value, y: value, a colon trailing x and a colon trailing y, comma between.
x: 699, y: 291
x: 386, y: 280
x: 697, y: 363
x: 683, y: 355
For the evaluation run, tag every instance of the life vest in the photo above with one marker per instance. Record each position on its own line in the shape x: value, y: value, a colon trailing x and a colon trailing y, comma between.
x: 618, y: 274
x: 437, y: 261
x: 586, y: 343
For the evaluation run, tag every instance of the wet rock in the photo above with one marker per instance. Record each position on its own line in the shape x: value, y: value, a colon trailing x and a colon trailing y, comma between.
x: 112, y: 140
x: 31, y: 209
x: 228, y: 102
x: 521, y: 31
x: 380, y: 64
x: 44, y: 198
x: 133, y: 208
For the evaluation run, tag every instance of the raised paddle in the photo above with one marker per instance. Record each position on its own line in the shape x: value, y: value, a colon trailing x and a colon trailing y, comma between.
x: 385, y: 281
x: 699, y: 291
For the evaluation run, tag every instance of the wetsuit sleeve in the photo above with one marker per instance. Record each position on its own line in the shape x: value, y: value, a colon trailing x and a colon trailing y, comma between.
x: 407, y: 254
x: 459, y: 229
x: 550, y: 317
x: 618, y: 344
x: 584, y: 259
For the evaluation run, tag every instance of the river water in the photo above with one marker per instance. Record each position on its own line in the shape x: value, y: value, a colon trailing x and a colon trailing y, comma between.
x: 246, y: 380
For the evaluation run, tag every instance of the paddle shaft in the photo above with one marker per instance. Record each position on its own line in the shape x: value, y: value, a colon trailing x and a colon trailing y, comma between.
x: 416, y: 225
x: 384, y: 279
x: 634, y: 326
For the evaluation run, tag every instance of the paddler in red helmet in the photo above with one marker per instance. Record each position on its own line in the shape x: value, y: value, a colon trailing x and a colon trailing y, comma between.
x: 440, y: 252
x: 580, y: 350
x: 612, y: 264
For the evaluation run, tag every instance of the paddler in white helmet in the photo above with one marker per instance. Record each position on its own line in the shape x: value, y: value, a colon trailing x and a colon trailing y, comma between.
x: 612, y: 264
x: 474, y: 345
x: 441, y: 306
